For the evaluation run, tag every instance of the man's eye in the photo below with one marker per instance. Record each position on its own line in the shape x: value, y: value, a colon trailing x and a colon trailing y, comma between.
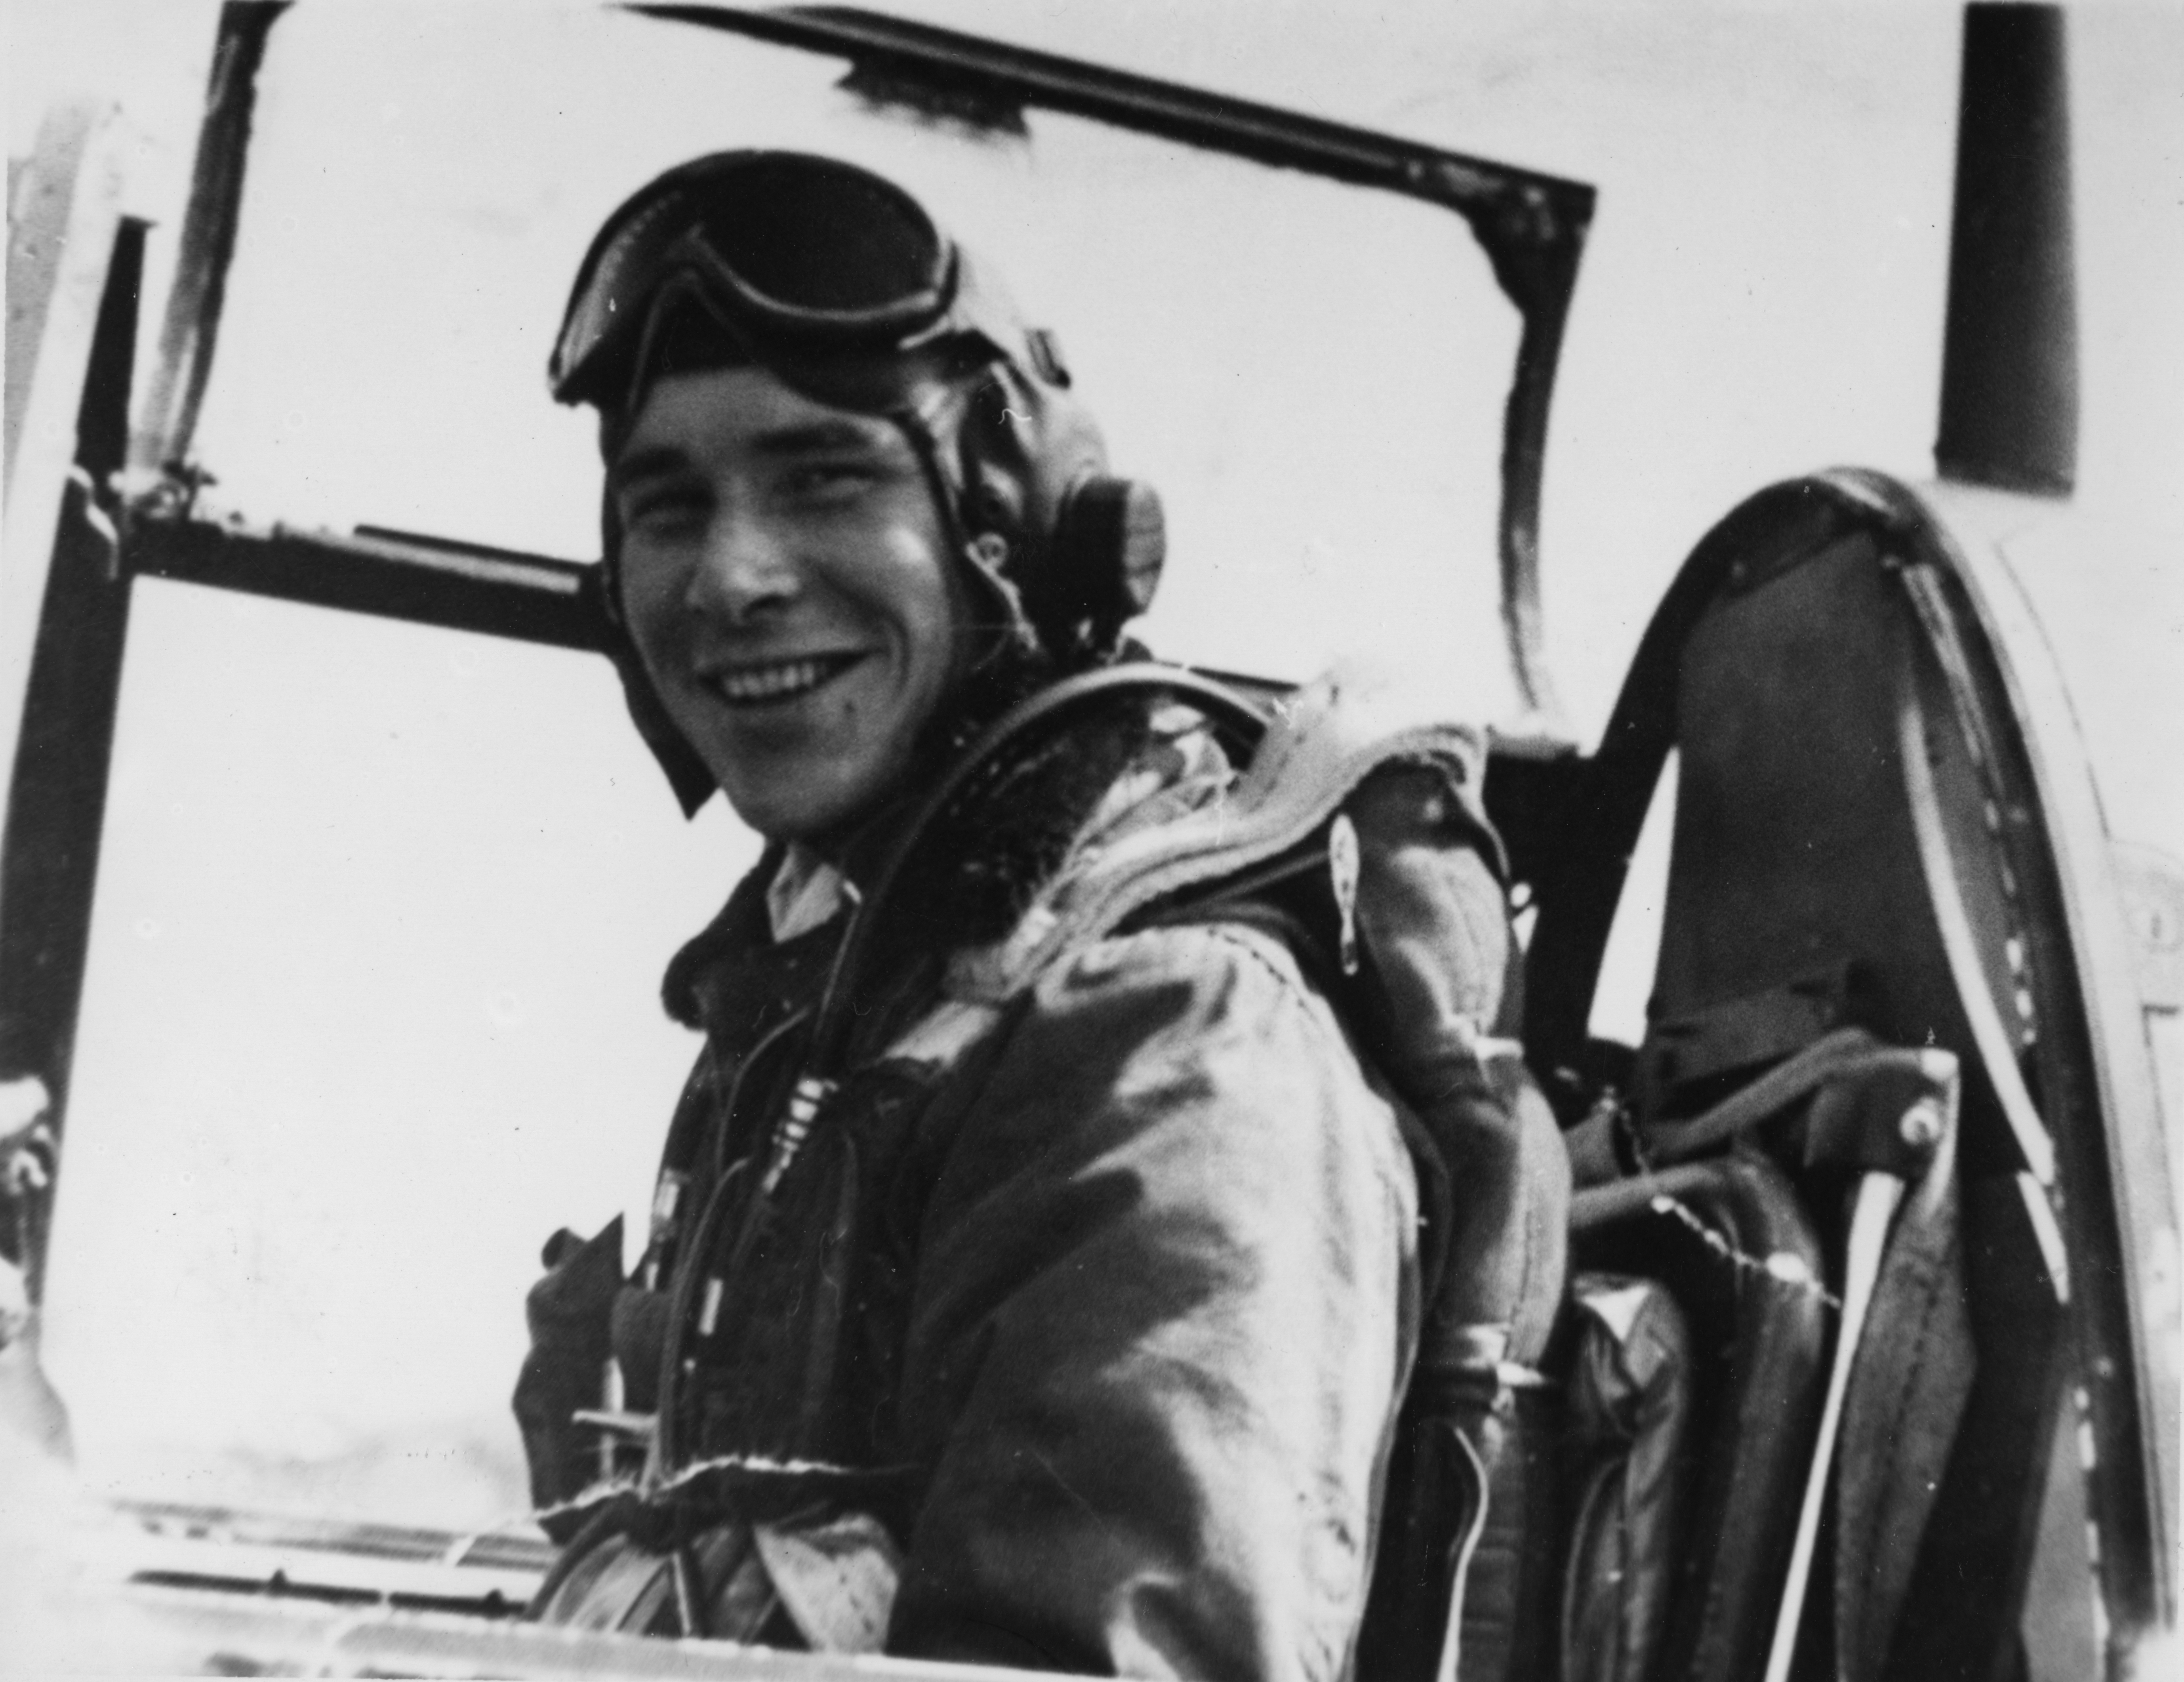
x: 664, y: 510
x: 828, y: 482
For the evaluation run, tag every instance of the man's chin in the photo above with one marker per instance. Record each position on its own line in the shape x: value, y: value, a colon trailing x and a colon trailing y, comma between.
x: 836, y: 817
x: 796, y: 812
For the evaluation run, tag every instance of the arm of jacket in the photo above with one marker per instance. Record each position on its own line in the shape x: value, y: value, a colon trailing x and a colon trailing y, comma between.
x: 1164, y: 1304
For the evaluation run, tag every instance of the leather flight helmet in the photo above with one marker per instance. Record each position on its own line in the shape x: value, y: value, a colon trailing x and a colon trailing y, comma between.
x: 839, y: 283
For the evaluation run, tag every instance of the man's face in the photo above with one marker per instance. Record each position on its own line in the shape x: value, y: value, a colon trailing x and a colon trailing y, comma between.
x: 786, y: 578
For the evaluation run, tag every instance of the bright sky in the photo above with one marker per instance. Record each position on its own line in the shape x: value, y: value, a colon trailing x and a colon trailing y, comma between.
x: 383, y: 910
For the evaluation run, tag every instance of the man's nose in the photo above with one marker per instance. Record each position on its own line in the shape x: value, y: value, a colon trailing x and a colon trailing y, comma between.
x: 747, y: 567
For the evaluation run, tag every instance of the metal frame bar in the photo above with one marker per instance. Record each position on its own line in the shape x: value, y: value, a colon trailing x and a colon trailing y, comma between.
x: 191, y: 329
x: 396, y: 575
x: 57, y: 794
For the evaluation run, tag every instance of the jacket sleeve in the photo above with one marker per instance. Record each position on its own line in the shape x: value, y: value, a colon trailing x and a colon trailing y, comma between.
x: 1166, y: 1300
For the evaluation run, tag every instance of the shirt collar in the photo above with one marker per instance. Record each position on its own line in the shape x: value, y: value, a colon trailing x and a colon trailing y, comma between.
x: 805, y: 892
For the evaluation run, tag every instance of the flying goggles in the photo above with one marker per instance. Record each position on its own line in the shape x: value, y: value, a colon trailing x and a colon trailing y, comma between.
x: 795, y: 255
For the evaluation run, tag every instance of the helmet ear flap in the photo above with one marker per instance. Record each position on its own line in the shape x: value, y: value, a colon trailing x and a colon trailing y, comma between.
x: 1110, y: 542
x: 1086, y: 545
x: 687, y: 774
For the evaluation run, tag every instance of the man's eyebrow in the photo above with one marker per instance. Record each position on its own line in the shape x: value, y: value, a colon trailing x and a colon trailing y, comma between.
x: 654, y: 461
x: 801, y: 438
x: 808, y: 437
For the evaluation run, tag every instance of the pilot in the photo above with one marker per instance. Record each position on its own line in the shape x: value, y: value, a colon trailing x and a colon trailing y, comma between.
x: 1020, y: 1288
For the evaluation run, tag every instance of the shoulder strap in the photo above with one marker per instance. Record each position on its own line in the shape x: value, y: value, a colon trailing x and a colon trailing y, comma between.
x: 1052, y: 706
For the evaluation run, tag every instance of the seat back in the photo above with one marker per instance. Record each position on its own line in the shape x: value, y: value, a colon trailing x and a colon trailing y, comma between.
x: 1797, y: 899
x: 1844, y: 808
x: 1841, y: 853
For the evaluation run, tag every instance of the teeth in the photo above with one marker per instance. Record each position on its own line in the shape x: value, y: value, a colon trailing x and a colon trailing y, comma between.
x: 776, y: 682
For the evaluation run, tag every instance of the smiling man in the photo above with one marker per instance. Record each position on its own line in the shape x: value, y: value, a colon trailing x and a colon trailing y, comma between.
x: 1023, y: 1286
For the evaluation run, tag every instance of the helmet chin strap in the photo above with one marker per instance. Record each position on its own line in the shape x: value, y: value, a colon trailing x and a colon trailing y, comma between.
x: 687, y: 773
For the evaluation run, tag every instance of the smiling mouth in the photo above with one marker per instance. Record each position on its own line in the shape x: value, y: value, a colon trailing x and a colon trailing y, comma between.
x: 779, y: 680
